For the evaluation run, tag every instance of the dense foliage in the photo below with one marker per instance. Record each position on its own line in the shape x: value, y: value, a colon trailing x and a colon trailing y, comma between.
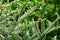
x: 29, y: 19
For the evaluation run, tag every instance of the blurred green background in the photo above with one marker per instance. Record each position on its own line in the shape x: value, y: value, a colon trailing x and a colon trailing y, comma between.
x: 23, y: 20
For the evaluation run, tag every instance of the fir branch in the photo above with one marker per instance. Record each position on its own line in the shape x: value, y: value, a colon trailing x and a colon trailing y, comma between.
x: 29, y: 12
x: 47, y: 30
x: 21, y: 12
